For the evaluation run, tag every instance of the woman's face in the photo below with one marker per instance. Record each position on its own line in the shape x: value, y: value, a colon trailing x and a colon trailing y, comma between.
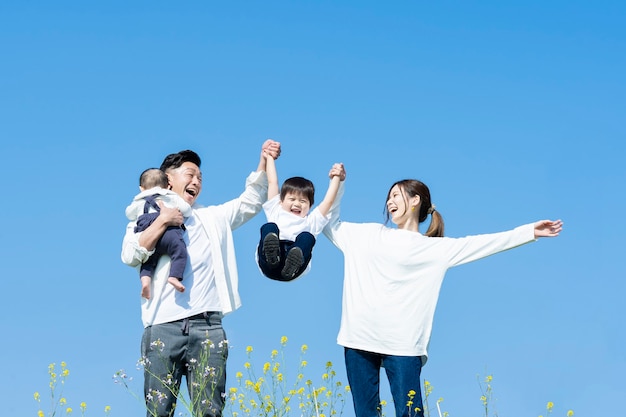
x: 396, y: 205
x: 403, y: 210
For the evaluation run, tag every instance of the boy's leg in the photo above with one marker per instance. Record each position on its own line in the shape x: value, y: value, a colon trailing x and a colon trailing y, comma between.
x: 269, y: 246
x: 298, y: 256
x: 293, y: 264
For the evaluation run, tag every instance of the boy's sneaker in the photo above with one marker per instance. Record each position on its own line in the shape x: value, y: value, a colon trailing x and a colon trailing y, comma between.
x: 293, y: 263
x: 271, y: 249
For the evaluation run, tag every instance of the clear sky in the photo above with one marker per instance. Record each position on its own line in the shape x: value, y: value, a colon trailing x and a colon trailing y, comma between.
x: 510, y: 111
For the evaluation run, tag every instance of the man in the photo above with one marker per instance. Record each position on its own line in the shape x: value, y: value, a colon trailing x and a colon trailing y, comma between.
x: 183, y: 332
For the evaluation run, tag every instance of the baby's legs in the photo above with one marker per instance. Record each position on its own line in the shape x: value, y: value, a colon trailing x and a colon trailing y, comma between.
x: 177, y: 284
x: 145, y: 286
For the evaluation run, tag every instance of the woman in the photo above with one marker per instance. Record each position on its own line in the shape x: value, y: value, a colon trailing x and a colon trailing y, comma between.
x: 392, y: 278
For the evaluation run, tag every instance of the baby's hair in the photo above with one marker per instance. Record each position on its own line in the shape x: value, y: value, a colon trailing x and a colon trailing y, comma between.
x: 153, y: 177
x: 298, y: 185
x: 411, y: 188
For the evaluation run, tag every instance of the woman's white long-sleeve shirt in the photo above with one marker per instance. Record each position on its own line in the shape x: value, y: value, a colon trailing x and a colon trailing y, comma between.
x: 392, y: 279
x: 216, y: 224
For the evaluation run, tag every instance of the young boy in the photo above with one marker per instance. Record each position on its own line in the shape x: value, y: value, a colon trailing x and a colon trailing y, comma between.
x: 287, y: 239
x: 153, y: 185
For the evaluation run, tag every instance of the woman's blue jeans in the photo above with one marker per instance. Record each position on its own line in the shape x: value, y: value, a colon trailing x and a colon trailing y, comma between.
x: 403, y: 373
x: 195, y: 347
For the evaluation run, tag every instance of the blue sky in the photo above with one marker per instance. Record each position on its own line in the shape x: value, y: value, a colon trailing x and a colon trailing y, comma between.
x: 510, y: 111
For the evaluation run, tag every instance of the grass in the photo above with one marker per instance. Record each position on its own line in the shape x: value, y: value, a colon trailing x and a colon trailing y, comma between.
x: 263, y: 388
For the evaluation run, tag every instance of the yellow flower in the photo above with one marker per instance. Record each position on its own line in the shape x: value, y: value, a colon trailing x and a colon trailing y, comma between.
x: 383, y: 403
x: 274, y: 353
x: 246, y: 365
x: 304, y: 348
x: 283, y: 340
x: 411, y: 393
x: 107, y: 409
x: 62, y: 401
x: 37, y: 397
x: 238, y: 375
x: 69, y: 410
x: 233, y: 390
x: 550, y: 405
x: 266, y: 367
x: 249, y: 349
x: 303, y: 363
x: 329, y: 364
x: 570, y: 413
x: 65, y: 372
x: 40, y: 413
x: 83, y: 406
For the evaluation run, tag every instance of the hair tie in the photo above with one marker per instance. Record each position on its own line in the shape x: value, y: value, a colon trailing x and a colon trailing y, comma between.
x: 431, y: 210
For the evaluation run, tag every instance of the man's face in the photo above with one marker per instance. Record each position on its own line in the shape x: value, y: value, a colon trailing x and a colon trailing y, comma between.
x: 186, y: 181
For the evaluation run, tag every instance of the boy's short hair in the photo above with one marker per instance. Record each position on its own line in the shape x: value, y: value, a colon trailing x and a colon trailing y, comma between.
x: 153, y: 177
x: 298, y: 185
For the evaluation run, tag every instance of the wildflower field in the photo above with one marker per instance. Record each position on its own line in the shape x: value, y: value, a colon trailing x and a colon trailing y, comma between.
x: 263, y: 388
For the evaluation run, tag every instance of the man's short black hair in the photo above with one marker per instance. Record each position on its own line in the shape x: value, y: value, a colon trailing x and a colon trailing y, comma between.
x: 175, y: 160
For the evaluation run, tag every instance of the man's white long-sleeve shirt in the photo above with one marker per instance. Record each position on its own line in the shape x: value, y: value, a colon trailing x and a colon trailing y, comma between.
x: 215, y: 225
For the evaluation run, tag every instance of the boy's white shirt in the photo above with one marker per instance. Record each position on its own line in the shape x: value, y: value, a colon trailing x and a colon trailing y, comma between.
x: 291, y: 225
x: 168, y: 197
